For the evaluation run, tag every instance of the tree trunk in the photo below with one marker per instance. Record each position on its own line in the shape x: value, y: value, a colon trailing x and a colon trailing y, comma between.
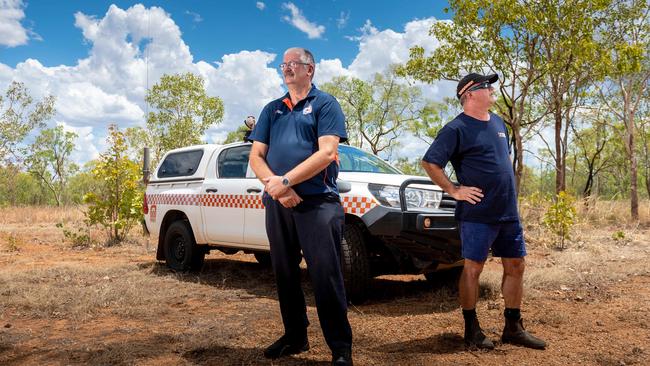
x: 518, y: 160
x: 590, y: 181
x: 559, y: 156
x: 634, y: 193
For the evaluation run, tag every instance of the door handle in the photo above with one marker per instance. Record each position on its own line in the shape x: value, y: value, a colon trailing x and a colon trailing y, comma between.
x: 211, y: 190
x: 253, y: 190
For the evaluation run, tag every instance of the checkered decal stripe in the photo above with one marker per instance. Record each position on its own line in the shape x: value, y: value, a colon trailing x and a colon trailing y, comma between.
x: 174, y: 199
x: 351, y: 204
x: 357, y: 205
x: 232, y: 200
x: 209, y: 200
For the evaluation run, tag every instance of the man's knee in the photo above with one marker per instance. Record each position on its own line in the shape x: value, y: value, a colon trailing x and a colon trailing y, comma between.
x: 514, y: 266
x: 473, y: 269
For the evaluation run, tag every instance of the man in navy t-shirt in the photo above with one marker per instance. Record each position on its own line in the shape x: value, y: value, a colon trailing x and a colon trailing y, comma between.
x: 476, y: 144
x: 295, y: 155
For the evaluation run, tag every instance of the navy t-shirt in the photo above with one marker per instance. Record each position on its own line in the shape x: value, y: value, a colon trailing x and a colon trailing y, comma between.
x: 480, y: 154
x: 292, y: 132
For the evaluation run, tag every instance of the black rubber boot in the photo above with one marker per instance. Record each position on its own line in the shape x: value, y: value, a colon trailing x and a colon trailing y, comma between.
x: 474, y: 336
x: 514, y: 333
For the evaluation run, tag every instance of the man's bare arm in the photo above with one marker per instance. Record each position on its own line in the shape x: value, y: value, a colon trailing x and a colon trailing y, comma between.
x: 327, y: 150
x: 262, y: 171
x: 258, y: 163
x: 472, y: 195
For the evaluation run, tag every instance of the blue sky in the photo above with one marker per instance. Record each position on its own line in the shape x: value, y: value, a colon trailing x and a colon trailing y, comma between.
x: 94, y: 56
x: 215, y: 28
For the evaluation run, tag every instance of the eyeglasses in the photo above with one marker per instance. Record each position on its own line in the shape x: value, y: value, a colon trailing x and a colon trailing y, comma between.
x: 292, y: 64
x: 484, y: 85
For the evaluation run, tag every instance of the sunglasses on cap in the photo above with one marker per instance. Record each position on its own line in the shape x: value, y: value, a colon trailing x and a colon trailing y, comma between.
x: 483, y: 85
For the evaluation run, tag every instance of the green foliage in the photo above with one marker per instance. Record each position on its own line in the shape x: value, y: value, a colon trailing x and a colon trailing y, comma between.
x: 20, y: 188
x: 377, y: 111
x: 117, y: 204
x: 432, y: 117
x: 82, y: 183
x: 410, y: 166
x: 530, y: 44
x: 79, y: 239
x: 560, y: 217
x: 618, y: 235
x: 48, y: 159
x: 183, y: 112
x: 19, y: 115
x: 12, y: 243
x: 137, y: 139
x: 237, y: 135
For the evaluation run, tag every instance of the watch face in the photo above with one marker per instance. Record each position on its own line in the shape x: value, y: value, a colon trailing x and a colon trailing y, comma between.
x: 285, y: 181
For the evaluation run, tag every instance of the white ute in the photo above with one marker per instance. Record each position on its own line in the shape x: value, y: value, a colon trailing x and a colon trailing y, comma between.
x: 206, y: 197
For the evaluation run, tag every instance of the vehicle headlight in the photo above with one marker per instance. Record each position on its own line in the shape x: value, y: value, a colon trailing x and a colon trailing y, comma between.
x: 415, y: 197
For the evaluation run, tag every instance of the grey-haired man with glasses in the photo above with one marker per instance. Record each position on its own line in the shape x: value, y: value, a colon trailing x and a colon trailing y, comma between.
x: 295, y: 155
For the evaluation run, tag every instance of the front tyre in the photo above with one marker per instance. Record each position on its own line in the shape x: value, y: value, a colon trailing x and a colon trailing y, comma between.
x: 181, y: 252
x: 354, y: 263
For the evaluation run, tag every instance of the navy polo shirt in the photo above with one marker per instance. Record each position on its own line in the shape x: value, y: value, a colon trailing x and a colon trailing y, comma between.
x: 480, y: 155
x: 292, y: 132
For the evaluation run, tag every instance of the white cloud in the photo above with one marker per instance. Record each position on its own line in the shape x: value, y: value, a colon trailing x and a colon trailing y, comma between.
x: 87, y: 145
x: 12, y: 33
x: 196, y: 18
x: 343, y: 19
x: 245, y: 83
x: 260, y: 5
x: 109, y: 85
x: 298, y: 20
x: 326, y: 70
x: 380, y: 49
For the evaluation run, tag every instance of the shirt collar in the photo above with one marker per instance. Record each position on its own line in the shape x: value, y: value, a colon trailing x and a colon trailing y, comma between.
x: 312, y: 93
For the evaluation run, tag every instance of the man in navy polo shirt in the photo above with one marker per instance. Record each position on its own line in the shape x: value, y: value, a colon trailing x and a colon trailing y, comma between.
x: 476, y: 143
x: 294, y: 153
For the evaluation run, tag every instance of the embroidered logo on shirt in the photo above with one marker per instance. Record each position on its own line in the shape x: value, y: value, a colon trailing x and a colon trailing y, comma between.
x: 307, y: 109
x: 277, y: 111
x: 502, y: 134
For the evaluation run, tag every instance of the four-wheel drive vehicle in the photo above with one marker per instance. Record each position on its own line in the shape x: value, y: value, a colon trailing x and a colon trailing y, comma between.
x: 206, y: 197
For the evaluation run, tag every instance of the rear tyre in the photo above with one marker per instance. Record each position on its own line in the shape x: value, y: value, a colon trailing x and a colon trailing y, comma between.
x: 354, y: 263
x: 263, y: 258
x: 181, y: 252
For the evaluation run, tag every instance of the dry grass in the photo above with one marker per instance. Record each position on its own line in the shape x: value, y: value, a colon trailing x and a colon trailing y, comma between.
x: 40, y: 214
x: 80, y: 291
x: 118, y: 306
x: 10, y: 242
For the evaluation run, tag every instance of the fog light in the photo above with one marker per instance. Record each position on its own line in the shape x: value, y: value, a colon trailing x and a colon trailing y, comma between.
x: 427, y: 222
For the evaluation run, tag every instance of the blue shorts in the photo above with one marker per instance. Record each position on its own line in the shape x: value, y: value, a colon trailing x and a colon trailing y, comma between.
x: 506, y: 240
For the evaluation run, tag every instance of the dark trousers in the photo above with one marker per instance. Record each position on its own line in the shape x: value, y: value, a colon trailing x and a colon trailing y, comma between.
x: 316, y: 227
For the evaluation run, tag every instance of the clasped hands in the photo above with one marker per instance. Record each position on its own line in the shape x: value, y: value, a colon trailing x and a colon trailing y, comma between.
x: 279, y: 192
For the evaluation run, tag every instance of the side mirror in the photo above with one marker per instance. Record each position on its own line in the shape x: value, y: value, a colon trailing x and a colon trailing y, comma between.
x: 344, y: 186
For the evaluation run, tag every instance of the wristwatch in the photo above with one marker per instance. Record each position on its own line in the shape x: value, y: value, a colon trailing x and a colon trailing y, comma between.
x: 285, y: 182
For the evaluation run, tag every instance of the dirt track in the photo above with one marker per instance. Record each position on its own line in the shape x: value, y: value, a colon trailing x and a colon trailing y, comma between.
x: 118, y: 306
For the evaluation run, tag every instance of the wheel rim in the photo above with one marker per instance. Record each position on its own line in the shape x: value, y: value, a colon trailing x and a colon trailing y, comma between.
x: 179, y: 248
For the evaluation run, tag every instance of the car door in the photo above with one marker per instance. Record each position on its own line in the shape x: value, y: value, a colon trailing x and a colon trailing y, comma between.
x: 224, y: 198
x: 254, y: 216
